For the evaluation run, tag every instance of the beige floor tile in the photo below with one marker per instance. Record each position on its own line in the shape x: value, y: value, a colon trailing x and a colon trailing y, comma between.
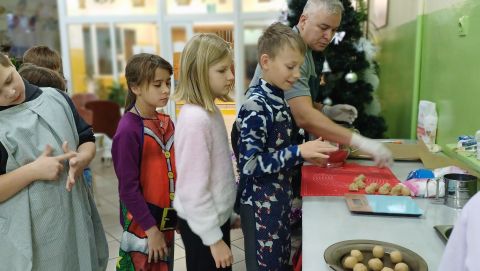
x: 238, y: 254
x: 113, y: 247
x: 179, y: 242
x: 109, y: 237
x: 240, y: 266
x: 112, y: 264
x: 109, y: 219
x: 106, y: 197
x: 180, y: 265
x: 177, y: 236
x: 114, y: 230
x: 239, y: 243
x: 178, y: 253
x: 236, y: 234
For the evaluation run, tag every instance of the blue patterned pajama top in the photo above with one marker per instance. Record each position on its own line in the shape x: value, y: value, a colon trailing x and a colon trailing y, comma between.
x: 266, y: 156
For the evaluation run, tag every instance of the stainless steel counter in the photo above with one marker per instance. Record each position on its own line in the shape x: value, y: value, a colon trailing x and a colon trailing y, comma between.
x: 327, y: 220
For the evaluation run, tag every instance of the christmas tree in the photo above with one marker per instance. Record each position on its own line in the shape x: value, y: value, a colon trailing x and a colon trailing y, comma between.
x: 347, y: 68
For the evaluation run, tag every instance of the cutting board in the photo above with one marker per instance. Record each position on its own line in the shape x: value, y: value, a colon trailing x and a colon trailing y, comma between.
x: 382, y: 205
x: 319, y: 181
x: 400, y: 151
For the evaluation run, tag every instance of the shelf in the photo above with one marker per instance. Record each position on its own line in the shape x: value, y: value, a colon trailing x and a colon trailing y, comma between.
x: 468, y: 158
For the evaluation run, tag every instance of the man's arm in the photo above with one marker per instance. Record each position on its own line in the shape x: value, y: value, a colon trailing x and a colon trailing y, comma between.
x: 315, y: 122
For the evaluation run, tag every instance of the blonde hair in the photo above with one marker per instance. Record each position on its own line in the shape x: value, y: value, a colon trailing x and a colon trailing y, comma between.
x: 330, y: 6
x: 276, y: 37
x: 199, y: 54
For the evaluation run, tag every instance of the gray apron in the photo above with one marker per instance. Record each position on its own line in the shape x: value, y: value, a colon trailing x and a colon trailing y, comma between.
x: 45, y: 227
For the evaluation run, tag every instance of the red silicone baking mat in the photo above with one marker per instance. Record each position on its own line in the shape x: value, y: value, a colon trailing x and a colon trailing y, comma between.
x: 318, y: 181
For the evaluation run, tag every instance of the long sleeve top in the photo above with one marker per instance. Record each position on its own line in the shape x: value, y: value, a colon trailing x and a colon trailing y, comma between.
x: 205, y: 191
x: 126, y: 153
x: 463, y: 246
x: 265, y: 150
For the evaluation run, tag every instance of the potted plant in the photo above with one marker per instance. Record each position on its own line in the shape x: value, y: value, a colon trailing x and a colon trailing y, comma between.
x: 117, y: 93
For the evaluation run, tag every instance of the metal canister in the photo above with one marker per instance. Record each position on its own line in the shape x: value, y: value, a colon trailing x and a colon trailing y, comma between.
x: 459, y: 188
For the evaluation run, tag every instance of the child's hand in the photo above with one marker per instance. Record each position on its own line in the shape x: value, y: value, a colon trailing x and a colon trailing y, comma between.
x: 47, y: 167
x: 76, y: 164
x: 157, y: 247
x: 314, y: 151
x: 221, y: 254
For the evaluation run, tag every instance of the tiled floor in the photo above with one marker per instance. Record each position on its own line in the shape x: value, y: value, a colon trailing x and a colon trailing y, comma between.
x: 106, y: 197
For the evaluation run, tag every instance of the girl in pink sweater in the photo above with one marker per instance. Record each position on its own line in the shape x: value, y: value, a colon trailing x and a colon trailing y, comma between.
x: 205, y: 182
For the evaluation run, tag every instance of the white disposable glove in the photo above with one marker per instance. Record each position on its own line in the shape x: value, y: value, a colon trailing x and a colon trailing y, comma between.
x: 381, y: 154
x: 340, y: 112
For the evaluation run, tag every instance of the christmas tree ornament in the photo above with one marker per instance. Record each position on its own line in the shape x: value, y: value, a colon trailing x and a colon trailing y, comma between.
x: 338, y: 37
x: 327, y: 101
x: 351, y: 77
x: 325, y: 69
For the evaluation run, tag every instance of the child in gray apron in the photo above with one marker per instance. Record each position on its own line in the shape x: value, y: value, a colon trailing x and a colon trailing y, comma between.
x: 42, y: 225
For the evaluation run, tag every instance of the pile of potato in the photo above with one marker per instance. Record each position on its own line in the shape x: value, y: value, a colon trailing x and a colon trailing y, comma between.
x: 355, y: 260
x: 386, y: 189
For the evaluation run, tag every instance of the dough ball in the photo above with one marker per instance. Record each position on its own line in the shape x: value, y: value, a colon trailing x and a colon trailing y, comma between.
x: 396, y: 190
x: 349, y: 262
x: 353, y: 187
x: 375, y: 264
x: 387, y: 269
x: 360, y: 267
x: 376, y: 185
x: 378, y: 251
x: 396, y: 256
x: 360, y: 178
x: 401, y: 267
x: 370, y: 189
x: 357, y: 254
x: 384, y: 190
x: 405, y: 191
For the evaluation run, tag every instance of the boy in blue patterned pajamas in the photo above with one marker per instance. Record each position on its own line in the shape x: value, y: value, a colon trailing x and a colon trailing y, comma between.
x: 266, y: 154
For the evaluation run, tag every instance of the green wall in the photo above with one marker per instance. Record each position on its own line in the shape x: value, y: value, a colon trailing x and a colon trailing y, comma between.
x: 450, y: 73
x: 425, y: 54
x: 396, y: 89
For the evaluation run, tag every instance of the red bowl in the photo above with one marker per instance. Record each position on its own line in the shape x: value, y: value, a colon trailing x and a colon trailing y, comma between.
x: 337, y: 158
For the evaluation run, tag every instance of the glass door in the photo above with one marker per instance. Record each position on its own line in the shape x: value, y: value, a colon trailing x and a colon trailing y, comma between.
x: 177, y: 36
